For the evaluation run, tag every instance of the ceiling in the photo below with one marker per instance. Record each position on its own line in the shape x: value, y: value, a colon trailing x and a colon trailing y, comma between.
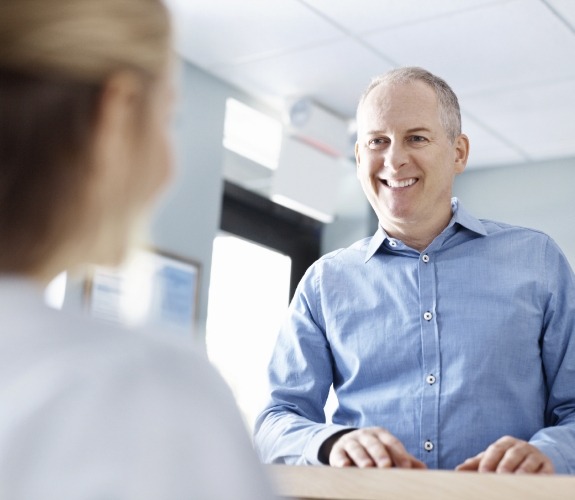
x: 511, y: 62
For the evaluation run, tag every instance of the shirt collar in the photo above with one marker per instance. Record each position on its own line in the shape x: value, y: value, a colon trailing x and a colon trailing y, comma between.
x: 460, y: 216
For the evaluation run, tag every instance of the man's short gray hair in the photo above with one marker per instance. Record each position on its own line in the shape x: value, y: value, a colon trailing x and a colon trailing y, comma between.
x: 449, y: 112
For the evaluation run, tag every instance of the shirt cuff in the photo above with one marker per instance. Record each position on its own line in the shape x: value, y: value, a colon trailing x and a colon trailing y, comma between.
x: 559, y: 463
x: 311, y: 453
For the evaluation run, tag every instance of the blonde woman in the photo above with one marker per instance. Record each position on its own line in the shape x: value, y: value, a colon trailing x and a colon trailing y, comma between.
x: 88, y: 411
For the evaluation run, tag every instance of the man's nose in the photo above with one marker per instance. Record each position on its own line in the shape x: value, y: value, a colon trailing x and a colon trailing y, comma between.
x: 395, y: 156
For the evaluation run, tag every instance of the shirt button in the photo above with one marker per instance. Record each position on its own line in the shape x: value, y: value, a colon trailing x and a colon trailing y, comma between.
x: 392, y: 243
x: 425, y: 258
x: 427, y: 316
x: 430, y: 379
x: 428, y: 445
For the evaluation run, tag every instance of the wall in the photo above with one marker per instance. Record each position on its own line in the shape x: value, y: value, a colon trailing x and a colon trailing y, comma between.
x: 354, y: 217
x: 536, y: 195
x: 188, y: 216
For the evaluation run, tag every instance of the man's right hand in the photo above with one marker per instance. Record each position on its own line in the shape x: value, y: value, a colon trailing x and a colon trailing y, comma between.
x: 372, y: 447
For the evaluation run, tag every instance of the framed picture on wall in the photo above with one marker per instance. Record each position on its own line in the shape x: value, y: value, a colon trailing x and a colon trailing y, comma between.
x: 153, y: 289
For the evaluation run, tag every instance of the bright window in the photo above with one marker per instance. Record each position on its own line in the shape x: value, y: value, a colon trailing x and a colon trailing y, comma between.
x: 252, y: 134
x: 248, y: 299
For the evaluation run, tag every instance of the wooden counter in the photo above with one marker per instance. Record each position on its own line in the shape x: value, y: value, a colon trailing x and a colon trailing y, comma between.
x: 308, y: 482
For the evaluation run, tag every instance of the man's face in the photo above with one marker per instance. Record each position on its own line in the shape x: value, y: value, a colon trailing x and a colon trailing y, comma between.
x: 405, y: 161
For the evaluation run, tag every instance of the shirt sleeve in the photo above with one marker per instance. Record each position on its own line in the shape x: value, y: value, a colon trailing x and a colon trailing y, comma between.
x: 557, y: 439
x: 292, y: 427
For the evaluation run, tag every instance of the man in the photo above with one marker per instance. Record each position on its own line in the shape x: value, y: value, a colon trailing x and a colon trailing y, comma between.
x: 449, y: 341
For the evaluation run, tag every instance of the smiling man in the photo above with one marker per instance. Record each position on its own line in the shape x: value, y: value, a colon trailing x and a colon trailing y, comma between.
x: 449, y: 341
x: 407, y: 158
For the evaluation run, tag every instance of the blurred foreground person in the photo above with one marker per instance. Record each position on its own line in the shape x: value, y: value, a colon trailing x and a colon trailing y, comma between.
x: 87, y: 410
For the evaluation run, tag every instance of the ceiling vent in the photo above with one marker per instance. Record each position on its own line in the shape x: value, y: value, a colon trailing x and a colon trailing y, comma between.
x: 318, y: 127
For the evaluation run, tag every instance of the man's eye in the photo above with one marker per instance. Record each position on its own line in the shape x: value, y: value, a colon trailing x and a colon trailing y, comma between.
x: 376, y: 142
x: 418, y: 138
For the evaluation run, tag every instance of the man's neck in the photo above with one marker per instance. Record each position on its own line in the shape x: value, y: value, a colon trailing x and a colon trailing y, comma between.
x: 416, y: 235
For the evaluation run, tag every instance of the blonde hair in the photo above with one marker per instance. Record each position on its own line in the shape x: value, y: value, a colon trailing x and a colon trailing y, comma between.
x: 83, y: 40
x: 55, y: 59
x: 449, y: 112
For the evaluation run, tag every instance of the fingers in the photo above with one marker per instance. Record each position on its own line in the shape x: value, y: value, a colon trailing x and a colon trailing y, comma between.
x: 360, y: 451
x: 471, y: 464
x: 509, y: 455
x: 533, y: 464
x: 371, y: 447
x: 492, y: 458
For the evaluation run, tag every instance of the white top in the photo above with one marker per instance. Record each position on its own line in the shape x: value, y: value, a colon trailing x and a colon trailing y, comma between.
x: 89, y: 411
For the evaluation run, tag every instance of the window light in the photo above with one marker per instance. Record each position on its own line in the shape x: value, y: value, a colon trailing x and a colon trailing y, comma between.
x: 252, y: 134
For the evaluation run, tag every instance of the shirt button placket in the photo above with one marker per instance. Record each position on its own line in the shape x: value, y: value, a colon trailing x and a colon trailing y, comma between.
x: 430, y: 351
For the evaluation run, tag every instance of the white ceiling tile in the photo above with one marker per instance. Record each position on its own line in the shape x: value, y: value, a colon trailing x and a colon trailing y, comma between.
x: 503, y: 45
x: 214, y: 32
x: 333, y: 75
x: 361, y: 16
x: 538, y: 119
x: 566, y: 9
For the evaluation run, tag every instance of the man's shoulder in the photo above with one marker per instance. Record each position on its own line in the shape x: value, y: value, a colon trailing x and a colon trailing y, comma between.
x: 354, y: 252
x: 342, y: 260
x: 493, y: 227
x: 527, y: 241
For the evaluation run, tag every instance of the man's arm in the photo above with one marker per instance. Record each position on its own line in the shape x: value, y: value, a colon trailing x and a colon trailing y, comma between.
x: 292, y: 428
x: 553, y: 447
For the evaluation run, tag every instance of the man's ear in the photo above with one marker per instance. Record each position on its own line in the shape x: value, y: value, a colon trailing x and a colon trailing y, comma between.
x: 461, y: 153
x: 357, y: 159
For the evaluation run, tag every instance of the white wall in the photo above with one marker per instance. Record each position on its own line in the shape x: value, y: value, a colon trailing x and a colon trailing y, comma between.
x: 354, y: 217
x: 536, y: 195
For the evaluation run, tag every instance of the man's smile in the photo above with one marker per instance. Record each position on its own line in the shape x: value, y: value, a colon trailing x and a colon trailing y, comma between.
x: 395, y: 184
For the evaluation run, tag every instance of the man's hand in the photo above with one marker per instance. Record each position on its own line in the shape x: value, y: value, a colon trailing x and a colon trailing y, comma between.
x: 371, y: 447
x: 510, y: 455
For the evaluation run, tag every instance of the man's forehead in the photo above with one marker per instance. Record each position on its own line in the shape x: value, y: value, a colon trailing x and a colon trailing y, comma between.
x: 403, y: 102
x: 388, y: 93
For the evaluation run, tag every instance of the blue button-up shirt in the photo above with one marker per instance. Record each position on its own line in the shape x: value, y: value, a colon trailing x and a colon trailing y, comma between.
x: 449, y: 349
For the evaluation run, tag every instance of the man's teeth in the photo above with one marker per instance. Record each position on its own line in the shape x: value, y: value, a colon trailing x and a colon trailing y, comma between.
x: 400, y: 184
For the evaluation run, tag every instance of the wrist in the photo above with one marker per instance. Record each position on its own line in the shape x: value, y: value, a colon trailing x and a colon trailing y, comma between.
x: 326, y: 447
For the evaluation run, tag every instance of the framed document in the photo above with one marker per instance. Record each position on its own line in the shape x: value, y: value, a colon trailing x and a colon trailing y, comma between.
x: 153, y: 288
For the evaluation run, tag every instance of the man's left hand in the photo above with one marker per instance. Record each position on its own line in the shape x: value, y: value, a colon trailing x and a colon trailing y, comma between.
x: 509, y: 455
